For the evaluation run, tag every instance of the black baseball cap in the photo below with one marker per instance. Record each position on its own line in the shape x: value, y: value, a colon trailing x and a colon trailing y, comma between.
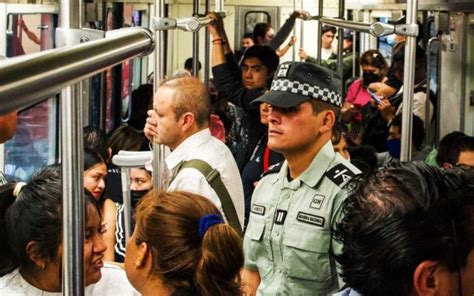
x: 297, y: 82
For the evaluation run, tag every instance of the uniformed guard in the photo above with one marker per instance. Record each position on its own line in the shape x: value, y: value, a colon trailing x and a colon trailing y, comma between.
x: 288, y: 241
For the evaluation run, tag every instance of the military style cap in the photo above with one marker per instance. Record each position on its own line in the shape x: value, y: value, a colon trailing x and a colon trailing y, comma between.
x: 297, y: 82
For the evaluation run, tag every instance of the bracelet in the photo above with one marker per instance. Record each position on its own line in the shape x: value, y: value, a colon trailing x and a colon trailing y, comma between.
x: 218, y: 41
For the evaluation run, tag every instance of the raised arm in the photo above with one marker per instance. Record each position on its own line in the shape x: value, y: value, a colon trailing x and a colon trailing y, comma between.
x: 286, y: 29
x: 220, y: 42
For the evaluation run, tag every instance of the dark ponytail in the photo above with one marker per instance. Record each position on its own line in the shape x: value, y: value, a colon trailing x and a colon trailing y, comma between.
x: 34, y: 214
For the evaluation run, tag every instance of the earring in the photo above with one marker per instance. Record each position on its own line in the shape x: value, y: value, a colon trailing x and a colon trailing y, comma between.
x: 138, y: 262
x: 42, y: 266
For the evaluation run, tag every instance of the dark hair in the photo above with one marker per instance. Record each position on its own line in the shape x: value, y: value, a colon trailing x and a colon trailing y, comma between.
x: 260, y: 30
x: 339, y: 130
x: 399, y: 217
x: 169, y: 223
x: 91, y: 158
x: 319, y: 106
x: 375, y: 59
x: 265, y: 54
x: 462, y: 144
x: 445, y: 145
x: 326, y: 28
x: 364, y: 157
x: 34, y: 214
x: 188, y: 64
x: 247, y: 35
x: 142, y: 101
x: 418, y: 129
x: 125, y: 138
x: 398, y: 62
x: 95, y: 139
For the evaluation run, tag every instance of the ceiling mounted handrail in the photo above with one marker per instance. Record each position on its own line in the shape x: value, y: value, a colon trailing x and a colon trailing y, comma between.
x: 30, y: 80
x: 376, y: 29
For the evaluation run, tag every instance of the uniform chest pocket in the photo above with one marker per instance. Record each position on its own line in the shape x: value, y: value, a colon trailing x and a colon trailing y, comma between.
x: 259, y: 246
x: 255, y: 230
x: 306, y: 254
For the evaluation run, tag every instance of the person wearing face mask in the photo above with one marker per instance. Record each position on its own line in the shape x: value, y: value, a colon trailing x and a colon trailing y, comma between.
x: 140, y: 184
x: 393, y: 142
x: 392, y: 83
x: 374, y: 68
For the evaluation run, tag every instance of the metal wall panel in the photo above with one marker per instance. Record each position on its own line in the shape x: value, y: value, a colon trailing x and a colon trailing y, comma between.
x: 452, y: 87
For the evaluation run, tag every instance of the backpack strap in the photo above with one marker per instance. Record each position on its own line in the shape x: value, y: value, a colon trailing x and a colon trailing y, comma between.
x: 213, y: 177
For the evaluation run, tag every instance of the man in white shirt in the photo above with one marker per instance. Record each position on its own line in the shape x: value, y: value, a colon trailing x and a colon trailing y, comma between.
x: 327, y: 37
x: 180, y: 120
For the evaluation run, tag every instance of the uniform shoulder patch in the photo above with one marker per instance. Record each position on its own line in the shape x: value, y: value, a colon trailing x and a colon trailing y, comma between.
x: 273, y: 169
x: 340, y: 174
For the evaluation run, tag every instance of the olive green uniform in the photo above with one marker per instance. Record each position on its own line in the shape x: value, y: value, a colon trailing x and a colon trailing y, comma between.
x: 288, y: 238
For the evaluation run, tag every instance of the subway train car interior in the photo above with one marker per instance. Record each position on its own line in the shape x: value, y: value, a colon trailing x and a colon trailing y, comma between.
x: 84, y: 79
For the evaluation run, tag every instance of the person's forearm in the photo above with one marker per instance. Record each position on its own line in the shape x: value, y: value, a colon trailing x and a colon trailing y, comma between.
x: 283, y: 33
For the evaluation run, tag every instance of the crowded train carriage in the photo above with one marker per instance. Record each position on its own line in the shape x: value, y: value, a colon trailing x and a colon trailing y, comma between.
x: 236, y: 147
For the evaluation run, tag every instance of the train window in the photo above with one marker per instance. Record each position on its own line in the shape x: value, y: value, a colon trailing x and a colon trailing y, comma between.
x: 254, y: 17
x: 35, y: 141
x: 385, y: 43
x: 28, y: 33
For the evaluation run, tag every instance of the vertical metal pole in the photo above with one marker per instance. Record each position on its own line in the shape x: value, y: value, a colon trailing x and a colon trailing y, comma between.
x: 355, y: 71
x: 320, y: 26
x: 207, y: 41
x: 438, y: 98
x: 127, y: 204
x: 219, y: 5
x: 340, y: 47
x: 301, y: 28
x: 293, y: 49
x: 196, y: 4
x: 429, y: 46
x: 159, y: 167
x: 408, y: 85
x: 72, y: 169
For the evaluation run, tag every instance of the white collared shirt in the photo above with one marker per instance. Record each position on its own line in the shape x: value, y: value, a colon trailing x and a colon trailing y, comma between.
x: 113, y: 282
x: 203, y: 146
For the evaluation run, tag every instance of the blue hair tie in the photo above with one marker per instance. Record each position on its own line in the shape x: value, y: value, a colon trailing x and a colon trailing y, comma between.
x: 207, y: 221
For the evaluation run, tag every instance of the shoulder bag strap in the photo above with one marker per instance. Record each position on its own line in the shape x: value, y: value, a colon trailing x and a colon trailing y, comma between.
x: 213, y: 177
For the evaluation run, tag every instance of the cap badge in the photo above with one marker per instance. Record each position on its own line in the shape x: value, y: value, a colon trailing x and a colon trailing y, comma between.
x: 283, y: 71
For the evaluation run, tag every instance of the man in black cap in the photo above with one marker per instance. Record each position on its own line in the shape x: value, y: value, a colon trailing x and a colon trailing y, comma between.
x: 288, y: 242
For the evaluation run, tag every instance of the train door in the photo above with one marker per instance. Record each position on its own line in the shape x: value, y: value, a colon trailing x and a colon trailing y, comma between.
x: 35, y: 142
x: 249, y: 16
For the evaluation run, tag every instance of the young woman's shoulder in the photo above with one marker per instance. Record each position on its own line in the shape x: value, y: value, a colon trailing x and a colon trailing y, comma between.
x: 13, y: 284
x: 113, y: 282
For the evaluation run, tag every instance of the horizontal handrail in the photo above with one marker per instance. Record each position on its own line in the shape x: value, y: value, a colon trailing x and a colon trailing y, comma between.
x: 376, y: 29
x: 28, y: 80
